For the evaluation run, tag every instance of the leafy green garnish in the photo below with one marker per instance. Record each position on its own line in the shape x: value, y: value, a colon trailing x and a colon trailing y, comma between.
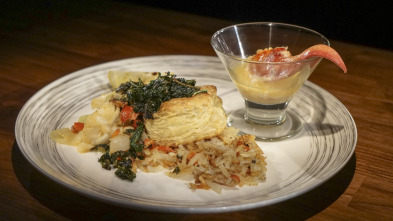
x: 176, y: 170
x: 104, y: 147
x: 147, y: 98
x: 129, y: 131
x: 136, y: 144
x: 122, y: 160
x: 105, y: 161
x: 125, y: 173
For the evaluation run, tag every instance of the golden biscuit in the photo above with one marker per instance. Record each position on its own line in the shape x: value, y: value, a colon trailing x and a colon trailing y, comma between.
x: 186, y: 120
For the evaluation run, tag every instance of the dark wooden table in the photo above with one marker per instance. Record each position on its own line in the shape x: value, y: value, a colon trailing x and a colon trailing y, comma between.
x: 46, y: 40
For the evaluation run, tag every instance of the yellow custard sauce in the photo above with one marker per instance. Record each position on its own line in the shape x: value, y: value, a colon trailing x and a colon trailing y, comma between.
x: 265, y: 89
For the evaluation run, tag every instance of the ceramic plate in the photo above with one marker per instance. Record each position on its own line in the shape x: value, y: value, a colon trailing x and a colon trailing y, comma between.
x: 294, y: 166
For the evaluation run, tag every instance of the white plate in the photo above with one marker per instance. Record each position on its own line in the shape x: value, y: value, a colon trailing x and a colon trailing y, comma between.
x: 294, y: 166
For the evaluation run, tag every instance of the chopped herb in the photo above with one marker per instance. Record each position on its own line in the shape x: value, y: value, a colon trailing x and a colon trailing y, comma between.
x: 105, y: 161
x: 136, y: 144
x: 125, y: 173
x: 129, y: 131
x: 122, y: 160
x: 176, y: 170
x: 105, y: 147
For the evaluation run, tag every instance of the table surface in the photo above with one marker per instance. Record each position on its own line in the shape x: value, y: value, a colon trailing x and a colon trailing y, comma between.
x: 42, y: 43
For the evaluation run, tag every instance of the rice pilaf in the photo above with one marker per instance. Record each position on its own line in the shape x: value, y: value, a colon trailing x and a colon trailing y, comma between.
x: 226, y: 160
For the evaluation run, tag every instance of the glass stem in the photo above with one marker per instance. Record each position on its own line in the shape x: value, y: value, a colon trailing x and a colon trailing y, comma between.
x: 262, y: 114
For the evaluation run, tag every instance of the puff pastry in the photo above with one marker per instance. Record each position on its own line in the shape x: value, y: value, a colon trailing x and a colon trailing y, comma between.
x: 186, y: 120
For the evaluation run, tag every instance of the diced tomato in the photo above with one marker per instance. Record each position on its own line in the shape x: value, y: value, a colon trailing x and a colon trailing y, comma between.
x: 165, y: 149
x: 78, y: 126
x: 135, y: 123
x: 246, y: 148
x: 190, y: 155
x: 127, y: 113
x: 199, y: 186
x: 115, y: 133
x: 148, y: 143
x: 235, y: 178
x: 271, y: 54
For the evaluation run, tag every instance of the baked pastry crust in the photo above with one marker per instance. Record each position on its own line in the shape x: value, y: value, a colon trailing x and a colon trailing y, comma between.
x: 185, y: 120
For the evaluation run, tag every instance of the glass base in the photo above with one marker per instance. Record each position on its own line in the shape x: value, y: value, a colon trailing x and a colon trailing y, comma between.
x: 291, y: 126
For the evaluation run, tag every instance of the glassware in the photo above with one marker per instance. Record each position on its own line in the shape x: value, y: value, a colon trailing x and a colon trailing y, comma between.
x: 266, y: 87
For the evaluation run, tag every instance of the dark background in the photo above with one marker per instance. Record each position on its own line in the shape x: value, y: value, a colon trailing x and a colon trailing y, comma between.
x: 362, y: 22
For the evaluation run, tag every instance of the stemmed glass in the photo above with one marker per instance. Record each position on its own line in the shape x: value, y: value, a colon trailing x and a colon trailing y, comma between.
x: 266, y: 87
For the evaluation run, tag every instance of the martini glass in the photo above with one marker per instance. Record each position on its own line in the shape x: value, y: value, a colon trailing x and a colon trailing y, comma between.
x: 266, y: 87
